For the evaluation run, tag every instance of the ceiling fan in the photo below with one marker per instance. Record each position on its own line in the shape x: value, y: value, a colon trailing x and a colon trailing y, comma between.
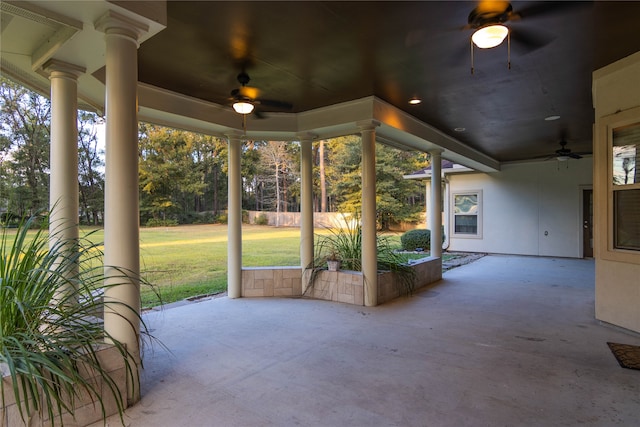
x: 246, y: 99
x: 489, y: 19
x: 563, y: 154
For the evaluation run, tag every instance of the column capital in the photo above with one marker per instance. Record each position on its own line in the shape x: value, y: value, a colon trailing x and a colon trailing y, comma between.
x: 234, y: 135
x: 436, y: 152
x: 367, y: 125
x: 115, y: 23
x: 64, y: 69
x: 306, y: 136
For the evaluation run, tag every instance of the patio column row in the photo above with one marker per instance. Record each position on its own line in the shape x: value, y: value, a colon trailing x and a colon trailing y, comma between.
x: 121, y: 216
x: 435, y: 203
x: 234, y: 218
x: 63, y: 179
x: 121, y: 246
x: 369, y: 220
x: 306, y: 204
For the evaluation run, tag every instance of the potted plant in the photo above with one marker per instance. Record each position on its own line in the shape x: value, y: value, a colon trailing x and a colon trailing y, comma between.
x: 333, y: 261
x: 50, y: 339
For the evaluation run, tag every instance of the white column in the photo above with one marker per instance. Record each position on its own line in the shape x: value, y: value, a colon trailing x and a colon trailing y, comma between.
x: 435, y: 204
x: 306, y: 204
x: 369, y: 247
x: 121, y: 217
x: 63, y: 179
x: 234, y: 219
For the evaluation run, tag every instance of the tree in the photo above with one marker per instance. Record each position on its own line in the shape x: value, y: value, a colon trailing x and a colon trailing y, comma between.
x: 211, y: 159
x: 323, y: 179
x: 395, y: 196
x: 25, y: 120
x: 397, y: 199
x: 344, y: 179
x: 166, y: 172
x: 253, y: 187
x: 178, y: 170
x: 278, y: 170
x: 90, y: 166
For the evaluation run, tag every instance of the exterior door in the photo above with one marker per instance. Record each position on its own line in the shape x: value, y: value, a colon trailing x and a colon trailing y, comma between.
x: 587, y: 223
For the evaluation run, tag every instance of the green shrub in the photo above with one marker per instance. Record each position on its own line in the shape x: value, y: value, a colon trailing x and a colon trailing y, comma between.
x: 222, y: 218
x: 156, y: 222
x: 262, y: 219
x: 414, y: 239
x: 207, y: 218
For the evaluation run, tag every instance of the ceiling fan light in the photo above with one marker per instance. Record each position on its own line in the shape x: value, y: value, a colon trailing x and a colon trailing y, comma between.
x: 243, y: 107
x: 490, y: 36
x: 562, y: 158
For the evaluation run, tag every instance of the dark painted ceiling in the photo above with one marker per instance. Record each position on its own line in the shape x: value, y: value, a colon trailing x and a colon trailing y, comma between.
x: 314, y: 54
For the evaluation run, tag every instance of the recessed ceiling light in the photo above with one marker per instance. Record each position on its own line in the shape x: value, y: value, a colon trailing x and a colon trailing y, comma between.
x: 551, y: 118
x: 415, y: 101
x: 459, y: 129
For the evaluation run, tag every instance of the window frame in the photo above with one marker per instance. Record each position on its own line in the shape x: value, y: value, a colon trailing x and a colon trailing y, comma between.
x: 478, y: 194
x: 606, y: 127
x: 618, y: 189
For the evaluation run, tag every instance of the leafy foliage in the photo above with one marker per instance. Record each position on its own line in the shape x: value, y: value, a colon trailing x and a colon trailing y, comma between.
x: 49, y: 297
x: 397, y: 199
x: 184, y: 174
x: 180, y: 173
x: 155, y: 222
x: 25, y: 120
x: 262, y: 219
x: 90, y: 167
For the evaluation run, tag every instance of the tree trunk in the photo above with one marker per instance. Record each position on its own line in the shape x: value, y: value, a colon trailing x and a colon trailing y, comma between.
x: 285, y: 197
x: 323, y: 182
x: 277, y: 195
x: 215, y: 190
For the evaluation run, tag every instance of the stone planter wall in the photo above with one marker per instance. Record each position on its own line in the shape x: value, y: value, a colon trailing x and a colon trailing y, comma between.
x: 86, y: 412
x: 339, y: 286
x: 428, y: 270
x: 271, y: 281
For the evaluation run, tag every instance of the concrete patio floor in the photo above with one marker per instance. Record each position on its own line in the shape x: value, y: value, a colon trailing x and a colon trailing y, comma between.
x: 503, y: 341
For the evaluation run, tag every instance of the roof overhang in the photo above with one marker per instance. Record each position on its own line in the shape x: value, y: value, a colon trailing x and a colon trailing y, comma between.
x: 395, y: 127
x: 34, y: 33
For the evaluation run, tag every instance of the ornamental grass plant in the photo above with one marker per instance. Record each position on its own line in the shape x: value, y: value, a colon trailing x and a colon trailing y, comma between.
x: 50, y: 332
x: 344, y: 244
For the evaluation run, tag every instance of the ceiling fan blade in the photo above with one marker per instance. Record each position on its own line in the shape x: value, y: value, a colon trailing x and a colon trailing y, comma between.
x: 279, y: 105
x: 544, y: 8
x: 527, y: 40
x: 574, y: 155
x: 249, y: 91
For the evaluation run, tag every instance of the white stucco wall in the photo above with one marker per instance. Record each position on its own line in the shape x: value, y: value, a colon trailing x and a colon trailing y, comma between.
x: 616, y: 93
x: 522, y: 202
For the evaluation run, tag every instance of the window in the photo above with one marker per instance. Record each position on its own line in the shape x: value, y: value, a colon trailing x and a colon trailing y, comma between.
x: 625, y: 181
x: 466, y: 214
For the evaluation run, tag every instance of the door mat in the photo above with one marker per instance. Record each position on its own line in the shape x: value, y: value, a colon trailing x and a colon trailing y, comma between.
x: 628, y: 356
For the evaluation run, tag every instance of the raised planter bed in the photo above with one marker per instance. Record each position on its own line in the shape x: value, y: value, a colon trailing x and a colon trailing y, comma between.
x: 87, y: 411
x: 340, y: 286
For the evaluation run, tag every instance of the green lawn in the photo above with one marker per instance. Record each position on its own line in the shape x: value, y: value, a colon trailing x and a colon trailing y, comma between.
x: 191, y: 260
